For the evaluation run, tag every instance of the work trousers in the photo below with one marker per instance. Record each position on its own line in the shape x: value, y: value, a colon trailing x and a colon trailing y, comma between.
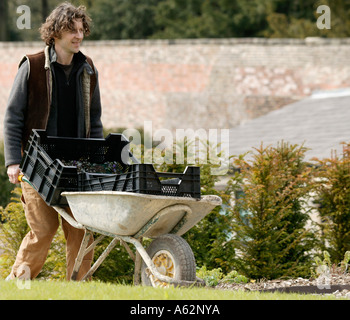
x: 43, y: 222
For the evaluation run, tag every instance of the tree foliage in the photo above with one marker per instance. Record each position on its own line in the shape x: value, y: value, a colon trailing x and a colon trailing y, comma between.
x: 210, y: 237
x: 333, y: 196
x: 12, y: 231
x: 170, y: 19
x: 123, y: 19
x: 270, y: 217
x: 5, y: 186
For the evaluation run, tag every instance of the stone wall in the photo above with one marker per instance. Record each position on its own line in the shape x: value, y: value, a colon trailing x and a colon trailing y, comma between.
x: 202, y: 83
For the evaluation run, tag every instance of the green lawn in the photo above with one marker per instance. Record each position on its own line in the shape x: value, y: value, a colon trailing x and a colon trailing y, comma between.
x: 51, y: 290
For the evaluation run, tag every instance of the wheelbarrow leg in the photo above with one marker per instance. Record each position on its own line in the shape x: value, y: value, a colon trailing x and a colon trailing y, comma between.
x: 82, y: 252
x: 101, y: 258
x: 137, y: 260
x: 138, y: 263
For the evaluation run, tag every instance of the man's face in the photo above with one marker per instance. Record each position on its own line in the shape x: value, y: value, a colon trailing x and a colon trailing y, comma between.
x: 71, y: 39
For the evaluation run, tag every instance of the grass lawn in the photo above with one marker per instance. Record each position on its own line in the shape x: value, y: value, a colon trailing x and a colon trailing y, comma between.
x: 52, y: 290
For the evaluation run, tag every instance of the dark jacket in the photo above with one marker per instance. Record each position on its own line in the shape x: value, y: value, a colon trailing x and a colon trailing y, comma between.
x: 31, y: 104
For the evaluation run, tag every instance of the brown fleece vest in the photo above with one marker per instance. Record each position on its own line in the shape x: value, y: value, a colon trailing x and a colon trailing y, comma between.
x: 39, y: 95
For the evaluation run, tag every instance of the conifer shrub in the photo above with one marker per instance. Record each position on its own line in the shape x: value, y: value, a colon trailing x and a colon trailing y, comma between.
x: 210, y: 238
x: 12, y: 231
x: 272, y: 186
x: 5, y: 185
x: 333, y: 197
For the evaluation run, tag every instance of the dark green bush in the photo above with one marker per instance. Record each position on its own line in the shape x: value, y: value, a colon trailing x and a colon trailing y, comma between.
x: 333, y: 196
x: 270, y: 215
x: 13, y: 230
x: 5, y: 185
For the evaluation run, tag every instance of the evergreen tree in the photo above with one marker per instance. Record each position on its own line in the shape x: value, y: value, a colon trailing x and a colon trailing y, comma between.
x: 333, y: 194
x: 170, y: 19
x: 12, y: 232
x: 270, y: 216
x: 5, y: 185
x: 123, y: 19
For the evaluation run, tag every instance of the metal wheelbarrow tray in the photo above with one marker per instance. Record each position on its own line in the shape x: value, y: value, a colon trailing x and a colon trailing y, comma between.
x: 128, y: 217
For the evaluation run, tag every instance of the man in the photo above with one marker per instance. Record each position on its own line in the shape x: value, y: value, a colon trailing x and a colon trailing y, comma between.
x: 57, y: 90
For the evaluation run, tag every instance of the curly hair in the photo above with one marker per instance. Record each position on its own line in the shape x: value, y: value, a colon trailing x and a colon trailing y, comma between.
x: 62, y: 19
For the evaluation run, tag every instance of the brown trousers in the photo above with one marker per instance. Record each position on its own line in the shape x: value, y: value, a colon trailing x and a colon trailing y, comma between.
x: 43, y: 222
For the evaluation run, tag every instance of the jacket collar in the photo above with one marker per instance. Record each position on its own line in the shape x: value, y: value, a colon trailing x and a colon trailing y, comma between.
x: 51, y: 57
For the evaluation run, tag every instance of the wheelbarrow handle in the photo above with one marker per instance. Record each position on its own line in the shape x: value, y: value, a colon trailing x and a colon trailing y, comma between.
x: 22, y: 178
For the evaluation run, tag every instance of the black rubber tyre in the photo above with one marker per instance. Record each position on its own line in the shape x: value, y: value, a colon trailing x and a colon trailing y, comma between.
x: 173, y: 257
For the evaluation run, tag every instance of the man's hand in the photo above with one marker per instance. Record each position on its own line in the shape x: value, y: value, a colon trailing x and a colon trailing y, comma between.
x: 13, y: 173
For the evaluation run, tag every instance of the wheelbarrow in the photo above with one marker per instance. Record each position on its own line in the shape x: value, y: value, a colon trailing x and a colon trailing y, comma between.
x: 125, y: 216
x: 128, y: 218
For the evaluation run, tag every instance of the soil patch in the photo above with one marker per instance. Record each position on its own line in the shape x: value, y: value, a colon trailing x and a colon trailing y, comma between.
x: 336, y: 284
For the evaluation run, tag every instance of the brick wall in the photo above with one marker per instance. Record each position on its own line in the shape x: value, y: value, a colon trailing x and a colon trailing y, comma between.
x: 216, y: 83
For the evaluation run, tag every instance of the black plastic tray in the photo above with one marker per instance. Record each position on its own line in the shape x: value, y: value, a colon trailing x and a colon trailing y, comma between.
x: 43, y: 165
x: 142, y: 178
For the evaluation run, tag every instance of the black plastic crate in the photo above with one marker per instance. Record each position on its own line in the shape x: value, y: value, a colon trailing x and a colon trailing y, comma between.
x: 142, y: 178
x: 44, y: 158
x: 186, y: 184
x: 43, y: 161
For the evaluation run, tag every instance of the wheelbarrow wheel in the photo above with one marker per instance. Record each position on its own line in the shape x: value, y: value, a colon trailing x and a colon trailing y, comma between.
x: 173, y: 257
